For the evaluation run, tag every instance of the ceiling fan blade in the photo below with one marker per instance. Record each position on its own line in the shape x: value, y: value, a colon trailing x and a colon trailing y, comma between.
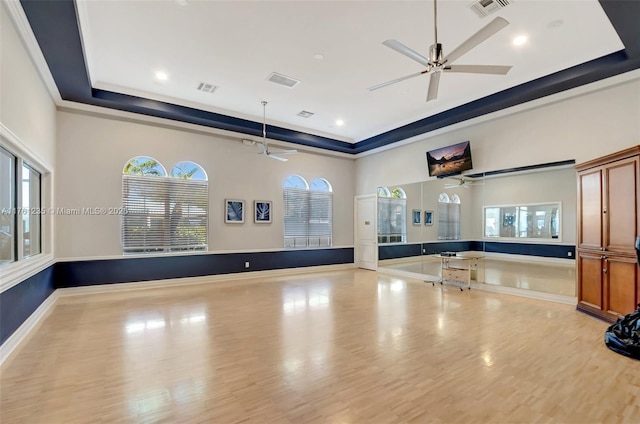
x: 410, y: 53
x: 479, y: 69
x: 406, y: 77
x: 483, y: 34
x: 284, y: 152
x: 434, y: 82
x: 272, y: 156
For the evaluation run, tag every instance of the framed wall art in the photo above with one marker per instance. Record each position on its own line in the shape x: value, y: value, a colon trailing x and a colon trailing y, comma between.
x: 234, y: 211
x: 262, y: 211
x: 415, y: 216
x: 428, y: 217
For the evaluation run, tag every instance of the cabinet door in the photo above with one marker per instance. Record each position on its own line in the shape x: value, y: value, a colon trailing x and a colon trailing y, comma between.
x: 620, y: 286
x: 590, y: 274
x: 590, y: 209
x: 621, y: 205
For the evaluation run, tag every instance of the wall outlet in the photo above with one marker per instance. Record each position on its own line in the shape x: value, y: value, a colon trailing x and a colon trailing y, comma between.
x: 569, y: 254
x: 246, y: 264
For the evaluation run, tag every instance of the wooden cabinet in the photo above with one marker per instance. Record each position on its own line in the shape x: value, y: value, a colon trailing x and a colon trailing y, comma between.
x: 608, y: 224
x: 608, y: 284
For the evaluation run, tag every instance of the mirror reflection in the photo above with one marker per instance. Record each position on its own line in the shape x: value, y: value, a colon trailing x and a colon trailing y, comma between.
x: 536, y: 221
x: 522, y: 225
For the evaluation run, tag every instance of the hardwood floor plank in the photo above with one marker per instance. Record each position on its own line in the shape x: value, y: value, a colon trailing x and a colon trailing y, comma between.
x: 351, y: 346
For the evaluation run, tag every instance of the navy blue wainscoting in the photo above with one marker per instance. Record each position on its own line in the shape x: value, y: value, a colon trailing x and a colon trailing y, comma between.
x: 563, y: 251
x: 395, y: 251
x: 449, y: 246
x: 21, y: 300
x: 110, y: 271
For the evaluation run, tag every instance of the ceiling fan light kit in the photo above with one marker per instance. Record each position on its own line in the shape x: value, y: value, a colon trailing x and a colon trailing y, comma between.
x: 438, y: 62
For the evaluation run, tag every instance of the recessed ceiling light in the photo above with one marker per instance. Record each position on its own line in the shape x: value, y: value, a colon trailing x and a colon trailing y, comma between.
x: 182, y: 3
x: 520, y: 40
x: 318, y: 56
x: 339, y: 122
x: 162, y: 76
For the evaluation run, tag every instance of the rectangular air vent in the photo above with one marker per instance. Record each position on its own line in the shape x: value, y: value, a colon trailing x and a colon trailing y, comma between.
x: 305, y: 114
x: 206, y: 87
x: 283, y: 80
x: 484, y: 8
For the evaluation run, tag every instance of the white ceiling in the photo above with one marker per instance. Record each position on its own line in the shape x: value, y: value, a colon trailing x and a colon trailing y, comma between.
x: 236, y: 45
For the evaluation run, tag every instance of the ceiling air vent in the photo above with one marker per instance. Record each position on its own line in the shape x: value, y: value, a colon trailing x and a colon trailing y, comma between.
x: 305, y: 114
x: 283, y: 80
x: 484, y: 8
x: 206, y: 87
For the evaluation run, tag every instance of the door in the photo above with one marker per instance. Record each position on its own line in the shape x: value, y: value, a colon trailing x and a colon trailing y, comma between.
x: 620, y: 285
x: 590, y: 271
x: 366, y: 247
x: 590, y: 207
x: 621, y: 206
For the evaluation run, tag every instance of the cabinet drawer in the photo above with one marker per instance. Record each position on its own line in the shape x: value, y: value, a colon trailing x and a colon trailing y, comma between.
x: 455, y: 274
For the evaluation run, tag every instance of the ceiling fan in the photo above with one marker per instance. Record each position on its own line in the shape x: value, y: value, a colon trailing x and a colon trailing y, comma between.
x: 462, y: 182
x: 263, y: 146
x: 438, y: 63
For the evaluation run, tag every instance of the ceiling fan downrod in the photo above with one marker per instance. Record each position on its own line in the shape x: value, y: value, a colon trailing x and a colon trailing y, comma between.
x: 435, y: 51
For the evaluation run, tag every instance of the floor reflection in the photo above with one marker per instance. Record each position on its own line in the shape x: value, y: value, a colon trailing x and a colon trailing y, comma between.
x: 550, y: 278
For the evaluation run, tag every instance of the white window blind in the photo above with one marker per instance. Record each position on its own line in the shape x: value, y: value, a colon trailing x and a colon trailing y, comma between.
x: 392, y: 216
x: 308, y: 218
x: 448, y: 221
x: 164, y: 214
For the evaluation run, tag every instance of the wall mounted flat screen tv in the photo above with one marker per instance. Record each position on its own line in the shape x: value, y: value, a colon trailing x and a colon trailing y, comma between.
x: 450, y: 160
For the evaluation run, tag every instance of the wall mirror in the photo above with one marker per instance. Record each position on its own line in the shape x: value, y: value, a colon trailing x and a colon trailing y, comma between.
x: 522, y: 223
x: 530, y: 221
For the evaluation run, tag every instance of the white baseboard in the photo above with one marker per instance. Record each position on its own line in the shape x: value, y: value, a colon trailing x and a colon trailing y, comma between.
x: 22, y: 333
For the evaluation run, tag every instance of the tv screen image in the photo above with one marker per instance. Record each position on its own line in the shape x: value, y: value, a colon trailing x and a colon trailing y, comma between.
x: 449, y: 160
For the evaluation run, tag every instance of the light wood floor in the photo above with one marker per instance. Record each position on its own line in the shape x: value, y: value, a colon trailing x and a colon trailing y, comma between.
x: 349, y: 346
x: 540, y: 277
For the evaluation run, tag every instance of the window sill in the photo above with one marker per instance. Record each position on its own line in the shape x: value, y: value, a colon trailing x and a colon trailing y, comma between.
x: 19, y: 271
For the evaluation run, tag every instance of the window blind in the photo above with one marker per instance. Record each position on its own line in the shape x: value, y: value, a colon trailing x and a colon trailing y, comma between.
x: 392, y: 218
x: 164, y: 214
x: 308, y: 218
x: 448, y: 221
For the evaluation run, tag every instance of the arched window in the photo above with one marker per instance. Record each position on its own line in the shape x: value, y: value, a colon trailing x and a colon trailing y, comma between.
x: 187, y: 170
x: 383, y: 192
x: 308, y: 214
x: 164, y: 213
x: 448, y: 217
x: 320, y: 184
x: 392, y: 215
x: 144, y: 166
x: 295, y: 181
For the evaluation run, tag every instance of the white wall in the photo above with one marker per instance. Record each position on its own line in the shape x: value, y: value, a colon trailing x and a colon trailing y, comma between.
x: 26, y: 108
x: 92, y: 152
x: 582, y: 128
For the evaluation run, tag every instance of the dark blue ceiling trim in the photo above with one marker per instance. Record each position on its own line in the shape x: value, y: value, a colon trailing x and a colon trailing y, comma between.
x: 522, y: 168
x: 55, y: 26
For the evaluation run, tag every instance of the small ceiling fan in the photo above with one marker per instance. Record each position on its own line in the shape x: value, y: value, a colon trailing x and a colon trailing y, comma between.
x: 462, y: 182
x: 263, y: 146
x: 436, y: 63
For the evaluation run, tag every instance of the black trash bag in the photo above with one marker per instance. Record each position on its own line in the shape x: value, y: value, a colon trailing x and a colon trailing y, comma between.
x: 623, y: 337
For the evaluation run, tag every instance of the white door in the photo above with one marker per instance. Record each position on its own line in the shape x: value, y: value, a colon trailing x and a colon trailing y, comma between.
x: 366, y: 247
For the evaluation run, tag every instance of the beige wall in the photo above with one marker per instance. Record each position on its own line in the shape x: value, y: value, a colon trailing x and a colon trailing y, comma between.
x: 582, y: 128
x: 538, y: 187
x: 92, y: 152
x: 26, y: 108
